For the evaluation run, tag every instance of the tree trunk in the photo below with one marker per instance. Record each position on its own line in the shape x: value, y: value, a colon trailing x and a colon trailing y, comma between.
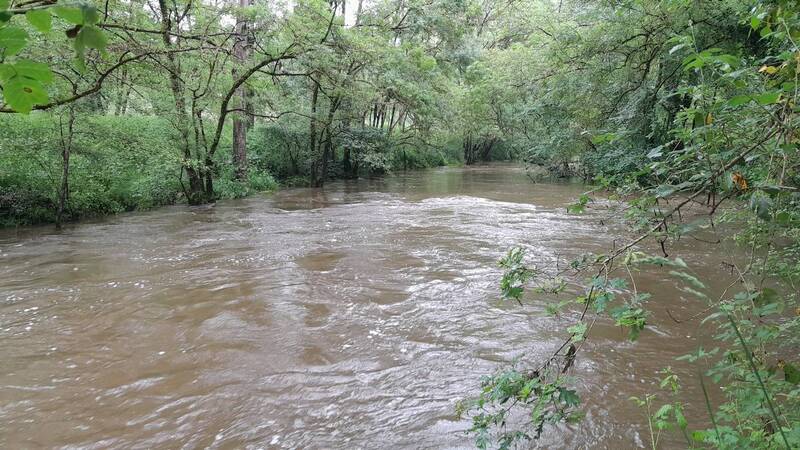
x: 209, y: 185
x: 347, y: 166
x: 326, y: 154
x: 391, y: 119
x: 240, y: 120
x: 124, y: 93
x: 486, y: 149
x: 358, y: 12
x: 312, y: 135
x: 477, y: 150
x: 197, y: 193
x: 327, y: 146
x: 126, y: 80
x: 240, y: 147
x: 468, y: 153
x: 66, y: 150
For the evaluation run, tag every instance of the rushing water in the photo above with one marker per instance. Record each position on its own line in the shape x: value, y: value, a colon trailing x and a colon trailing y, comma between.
x: 352, y: 316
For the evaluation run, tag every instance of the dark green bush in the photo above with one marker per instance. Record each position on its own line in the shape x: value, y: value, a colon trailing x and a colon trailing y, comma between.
x: 116, y: 164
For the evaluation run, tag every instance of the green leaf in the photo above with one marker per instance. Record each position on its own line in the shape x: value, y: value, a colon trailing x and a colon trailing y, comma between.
x: 632, y: 318
x: 739, y: 100
x: 665, y: 191
x: 604, y: 138
x: 663, y: 411
x: 7, y: 72
x: 761, y: 205
x: 578, y: 331
x: 34, y: 70
x: 768, y: 98
x: 656, y: 152
x: 688, y: 278
x: 88, y: 36
x: 699, y: 436
x: 568, y: 396
x: 80, y: 63
x: 91, y: 37
x: 727, y: 59
x: 83, y: 14
x: 774, y: 189
x: 40, y: 19
x: 601, y: 301
x: 693, y: 62
x: 791, y: 373
x: 575, y: 208
x: 21, y: 94
x: 766, y: 296
x: 12, y: 40
x: 70, y: 14
x: 90, y: 15
x: 677, y: 47
x: 579, y: 206
x: 26, y: 69
x: 681, y: 419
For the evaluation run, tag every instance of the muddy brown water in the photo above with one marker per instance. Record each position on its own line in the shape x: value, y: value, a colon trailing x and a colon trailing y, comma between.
x: 349, y: 317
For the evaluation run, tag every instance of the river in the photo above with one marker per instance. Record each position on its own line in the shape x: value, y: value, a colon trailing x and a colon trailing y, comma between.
x: 351, y: 316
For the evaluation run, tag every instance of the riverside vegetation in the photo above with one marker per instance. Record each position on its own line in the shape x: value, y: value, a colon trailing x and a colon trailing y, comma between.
x: 685, y: 109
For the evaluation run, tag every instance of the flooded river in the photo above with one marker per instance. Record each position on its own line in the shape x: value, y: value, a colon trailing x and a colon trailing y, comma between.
x: 352, y: 317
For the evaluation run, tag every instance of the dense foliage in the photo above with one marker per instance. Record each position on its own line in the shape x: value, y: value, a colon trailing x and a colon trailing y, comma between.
x: 214, y: 100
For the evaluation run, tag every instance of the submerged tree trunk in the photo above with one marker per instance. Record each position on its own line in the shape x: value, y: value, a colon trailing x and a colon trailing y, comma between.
x: 477, y: 150
x: 486, y: 148
x: 469, y: 150
x: 325, y: 142
x: 347, y: 166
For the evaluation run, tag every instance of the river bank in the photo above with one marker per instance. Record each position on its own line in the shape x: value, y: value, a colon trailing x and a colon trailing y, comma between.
x: 117, y: 165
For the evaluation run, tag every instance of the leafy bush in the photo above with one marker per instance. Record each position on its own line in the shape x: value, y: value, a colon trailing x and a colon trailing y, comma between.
x: 116, y: 164
x: 279, y: 150
x: 228, y: 187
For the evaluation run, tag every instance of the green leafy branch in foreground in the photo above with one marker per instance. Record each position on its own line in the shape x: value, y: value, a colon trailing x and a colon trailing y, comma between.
x: 762, y: 388
x: 543, y: 391
x: 24, y: 82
